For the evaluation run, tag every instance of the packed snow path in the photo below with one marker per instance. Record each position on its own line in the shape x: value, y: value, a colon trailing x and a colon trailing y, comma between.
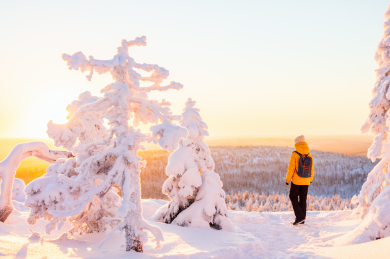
x: 259, y: 235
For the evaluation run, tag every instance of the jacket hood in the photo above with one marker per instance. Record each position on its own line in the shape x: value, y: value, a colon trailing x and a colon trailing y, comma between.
x: 302, y: 148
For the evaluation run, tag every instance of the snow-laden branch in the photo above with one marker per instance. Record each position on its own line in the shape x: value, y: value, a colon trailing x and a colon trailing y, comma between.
x: 156, y: 232
x: 168, y: 134
x: 80, y: 204
x: 209, y: 206
x: 9, y: 165
x: 139, y: 41
x: 79, y: 61
x: 66, y: 135
x: 377, y: 179
x: 172, y: 85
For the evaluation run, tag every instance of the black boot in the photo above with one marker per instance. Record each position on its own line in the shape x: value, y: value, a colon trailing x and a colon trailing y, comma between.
x: 296, y: 222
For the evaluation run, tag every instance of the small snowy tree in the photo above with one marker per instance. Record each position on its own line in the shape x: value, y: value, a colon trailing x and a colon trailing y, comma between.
x: 102, y: 133
x: 374, y: 196
x: 195, y: 190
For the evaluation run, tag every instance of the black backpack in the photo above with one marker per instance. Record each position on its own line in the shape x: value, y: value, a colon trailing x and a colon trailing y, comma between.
x: 305, y: 165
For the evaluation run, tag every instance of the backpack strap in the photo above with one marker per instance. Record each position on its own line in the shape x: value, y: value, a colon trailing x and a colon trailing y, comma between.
x: 299, y: 154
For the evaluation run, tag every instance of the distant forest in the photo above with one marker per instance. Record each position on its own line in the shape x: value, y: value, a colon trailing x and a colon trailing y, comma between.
x: 262, y: 170
x: 252, y: 201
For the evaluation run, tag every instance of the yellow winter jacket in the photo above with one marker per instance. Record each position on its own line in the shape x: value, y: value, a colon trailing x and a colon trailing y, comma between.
x: 292, y: 173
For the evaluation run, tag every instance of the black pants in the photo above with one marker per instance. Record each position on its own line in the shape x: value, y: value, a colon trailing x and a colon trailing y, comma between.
x: 299, y: 206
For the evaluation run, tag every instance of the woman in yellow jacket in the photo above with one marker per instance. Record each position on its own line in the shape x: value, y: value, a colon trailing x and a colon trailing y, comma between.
x: 299, y: 185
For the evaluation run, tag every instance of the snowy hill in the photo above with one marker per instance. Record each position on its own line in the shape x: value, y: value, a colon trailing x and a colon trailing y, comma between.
x: 259, y: 235
x: 263, y: 169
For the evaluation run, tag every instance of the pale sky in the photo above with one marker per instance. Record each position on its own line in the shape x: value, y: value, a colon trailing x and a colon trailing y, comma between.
x: 255, y: 68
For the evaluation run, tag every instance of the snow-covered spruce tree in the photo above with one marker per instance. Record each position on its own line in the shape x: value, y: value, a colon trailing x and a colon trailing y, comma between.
x: 8, y: 170
x: 195, y: 190
x: 81, y: 189
x: 374, y: 197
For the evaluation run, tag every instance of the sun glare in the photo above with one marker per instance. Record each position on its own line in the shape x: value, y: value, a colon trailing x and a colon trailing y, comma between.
x: 49, y: 106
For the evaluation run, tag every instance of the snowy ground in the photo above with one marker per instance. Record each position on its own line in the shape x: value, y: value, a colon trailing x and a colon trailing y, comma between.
x: 259, y: 235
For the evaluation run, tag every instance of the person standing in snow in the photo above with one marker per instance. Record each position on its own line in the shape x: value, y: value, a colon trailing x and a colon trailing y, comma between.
x: 300, y: 173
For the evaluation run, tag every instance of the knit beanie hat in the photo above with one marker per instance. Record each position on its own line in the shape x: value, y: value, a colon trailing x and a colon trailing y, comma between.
x: 299, y: 139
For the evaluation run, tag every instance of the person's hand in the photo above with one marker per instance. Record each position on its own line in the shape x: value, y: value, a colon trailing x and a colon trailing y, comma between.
x: 286, y: 183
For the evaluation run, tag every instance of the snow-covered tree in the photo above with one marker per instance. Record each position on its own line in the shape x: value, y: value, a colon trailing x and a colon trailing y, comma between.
x: 10, y: 187
x: 195, y: 190
x: 374, y: 197
x: 102, y: 132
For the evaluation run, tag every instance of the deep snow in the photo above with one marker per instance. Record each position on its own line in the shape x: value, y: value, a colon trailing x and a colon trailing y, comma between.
x: 259, y: 235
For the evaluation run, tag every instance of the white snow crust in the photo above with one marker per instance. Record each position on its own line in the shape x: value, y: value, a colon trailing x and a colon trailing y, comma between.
x: 258, y: 235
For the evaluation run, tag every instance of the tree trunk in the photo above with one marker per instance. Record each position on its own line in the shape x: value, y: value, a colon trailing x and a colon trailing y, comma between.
x: 5, y: 212
x: 133, y: 241
x: 134, y: 217
x: 9, y: 165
